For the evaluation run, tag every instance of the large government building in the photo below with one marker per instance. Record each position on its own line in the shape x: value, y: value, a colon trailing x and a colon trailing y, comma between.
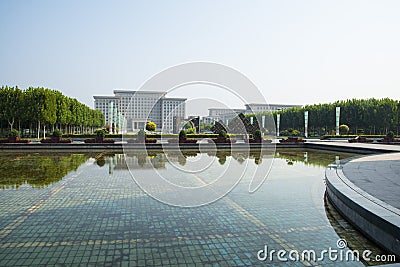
x: 139, y: 107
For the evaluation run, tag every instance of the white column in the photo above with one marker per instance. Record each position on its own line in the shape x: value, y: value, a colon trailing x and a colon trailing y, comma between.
x: 278, y: 121
x: 116, y: 120
x: 337, y: 119
x: 306, y: 124
x: 251, y: 120
x: 263, y: 121
x: 111, y: 115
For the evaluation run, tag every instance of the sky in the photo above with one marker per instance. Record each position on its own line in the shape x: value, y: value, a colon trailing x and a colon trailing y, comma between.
x: 295, y: 52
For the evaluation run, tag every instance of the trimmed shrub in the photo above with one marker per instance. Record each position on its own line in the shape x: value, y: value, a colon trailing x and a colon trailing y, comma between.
x: 57, y: 133
x: 100, y: 133
x: 222, y: 134
x: 182, y: 134
x: 14, y: 133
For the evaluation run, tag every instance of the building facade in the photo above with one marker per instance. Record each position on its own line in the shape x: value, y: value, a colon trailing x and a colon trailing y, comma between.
x: 139, y: 107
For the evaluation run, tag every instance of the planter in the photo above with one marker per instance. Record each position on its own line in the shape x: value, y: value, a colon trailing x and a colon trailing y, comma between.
x: 389, y: 141
x: 13, y: 139
x: 291, y: 140
x: 56, y: 140
x: 359, y: 139
x: 221, y: 140
x: 99, y: 140
x: 182, y: 141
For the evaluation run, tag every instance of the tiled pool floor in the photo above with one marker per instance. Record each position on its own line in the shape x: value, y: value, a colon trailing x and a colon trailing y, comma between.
x: 98, y: 216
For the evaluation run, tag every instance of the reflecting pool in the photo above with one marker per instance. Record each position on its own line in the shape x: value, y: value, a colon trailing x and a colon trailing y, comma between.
x: 86, y: 209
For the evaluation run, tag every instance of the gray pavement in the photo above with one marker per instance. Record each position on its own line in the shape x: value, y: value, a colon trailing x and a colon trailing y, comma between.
x: 378, y: 175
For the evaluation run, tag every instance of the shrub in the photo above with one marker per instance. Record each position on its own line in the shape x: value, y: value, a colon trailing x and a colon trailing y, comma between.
x: 100, y: 133
x: 14, y: 133
x: 191, y: 130
x: 257, y: 134
x: 291, y: 132
x: 222, y: 134
x: 57, y: 133
x: 344, y: 129
x: 390, y: 135
x: 182, y: 134
x: 151, y: 126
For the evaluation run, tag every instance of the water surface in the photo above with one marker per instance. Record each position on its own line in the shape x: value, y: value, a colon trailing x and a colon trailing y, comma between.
x: 77, y: 209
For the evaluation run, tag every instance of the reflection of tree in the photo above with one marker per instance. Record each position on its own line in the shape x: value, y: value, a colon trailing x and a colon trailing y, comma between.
x: 158, y: 161
x: 239, y: 156
x: 101, y: 162
x: 221, y: 155
x: 182, y: 160
x: 257, y: 155
x: 141, y: 159
x: 312, y: 157
x: 37, y: 170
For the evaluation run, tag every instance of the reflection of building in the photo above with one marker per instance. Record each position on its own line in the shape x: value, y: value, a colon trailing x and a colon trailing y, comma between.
x: 138, y: 107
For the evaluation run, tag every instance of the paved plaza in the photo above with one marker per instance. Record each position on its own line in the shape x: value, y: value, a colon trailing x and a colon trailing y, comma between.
x: 378, y: 175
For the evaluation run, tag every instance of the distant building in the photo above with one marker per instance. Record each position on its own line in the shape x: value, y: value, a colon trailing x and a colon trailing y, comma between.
x: 226, y: 114
x: 223, y: 114
x: 139, y: 107
x: 256, y: 108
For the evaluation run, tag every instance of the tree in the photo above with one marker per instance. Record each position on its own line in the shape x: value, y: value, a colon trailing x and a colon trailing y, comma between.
x: 150, y: 126
x: 11, y: 109
x: 43, y: 108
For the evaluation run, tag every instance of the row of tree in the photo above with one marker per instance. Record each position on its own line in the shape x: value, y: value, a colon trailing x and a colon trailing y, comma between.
x: 37, y: 110
x: 363, y: 116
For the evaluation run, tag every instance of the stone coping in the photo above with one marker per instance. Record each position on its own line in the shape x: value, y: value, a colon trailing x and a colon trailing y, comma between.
x: 375, y: 218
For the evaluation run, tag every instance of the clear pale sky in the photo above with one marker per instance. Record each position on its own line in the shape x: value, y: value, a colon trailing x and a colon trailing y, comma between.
x: 296, y: 52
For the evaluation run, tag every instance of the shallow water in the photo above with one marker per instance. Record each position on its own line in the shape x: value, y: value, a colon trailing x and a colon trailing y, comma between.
x: 77, y: 209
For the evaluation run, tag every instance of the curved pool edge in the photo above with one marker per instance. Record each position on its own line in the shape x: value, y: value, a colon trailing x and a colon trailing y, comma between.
x: 376, y: 219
